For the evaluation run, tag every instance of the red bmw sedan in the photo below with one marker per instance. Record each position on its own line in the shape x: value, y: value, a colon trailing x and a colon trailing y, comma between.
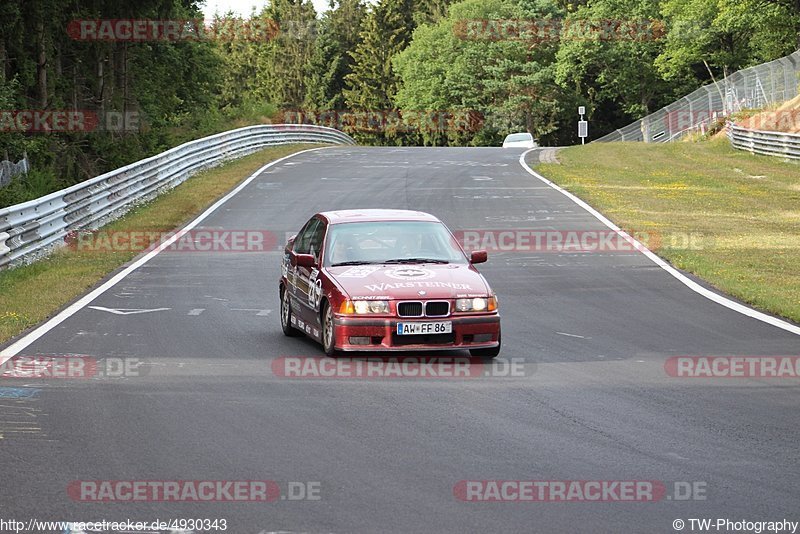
x: 386, y: 280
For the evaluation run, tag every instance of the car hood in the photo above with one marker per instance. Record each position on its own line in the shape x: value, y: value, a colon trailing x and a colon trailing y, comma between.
x: 437, y: 281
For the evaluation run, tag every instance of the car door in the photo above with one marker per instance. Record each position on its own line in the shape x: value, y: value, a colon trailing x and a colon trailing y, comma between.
x: 291, y: 273
x: 308, y: 282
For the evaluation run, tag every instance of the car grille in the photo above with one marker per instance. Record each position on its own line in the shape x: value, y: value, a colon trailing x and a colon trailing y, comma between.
x: 409, y: 309
x: 437, y: 308
x: 434, y: 308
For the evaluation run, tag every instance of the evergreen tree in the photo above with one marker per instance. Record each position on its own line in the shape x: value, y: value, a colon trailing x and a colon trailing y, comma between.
x: 386, y: 31
x: 430, y: 11
x: 331, y: 61
x: 282, y: 63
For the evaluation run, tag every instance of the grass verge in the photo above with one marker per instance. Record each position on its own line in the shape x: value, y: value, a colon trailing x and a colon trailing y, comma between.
x: 725, y: 215
x: 32, y: 293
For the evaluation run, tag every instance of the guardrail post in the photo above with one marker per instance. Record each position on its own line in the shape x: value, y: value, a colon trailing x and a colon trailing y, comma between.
x: 3, y: 248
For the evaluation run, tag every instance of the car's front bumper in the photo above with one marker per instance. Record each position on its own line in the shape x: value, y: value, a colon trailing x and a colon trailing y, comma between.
x: 380, y: 334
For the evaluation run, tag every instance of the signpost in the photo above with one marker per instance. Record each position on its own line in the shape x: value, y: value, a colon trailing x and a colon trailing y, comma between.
x: 583, y: 126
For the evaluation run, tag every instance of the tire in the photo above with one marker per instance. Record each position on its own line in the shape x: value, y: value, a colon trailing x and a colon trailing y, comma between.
x: 286, y: 315
x: 328, y: 331
x: 487, y: 353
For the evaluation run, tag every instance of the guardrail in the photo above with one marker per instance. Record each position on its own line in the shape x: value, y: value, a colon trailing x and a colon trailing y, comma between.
x: 753, y: 87
x: 781, y: 144
x: 32, y: 229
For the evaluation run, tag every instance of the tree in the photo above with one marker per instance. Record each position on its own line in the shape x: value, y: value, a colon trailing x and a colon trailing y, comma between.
x: 726, y: 35
x: 506, y: 79
x: 331, y: 61
x: 610, y: 67
x: 238, y: 81
x: 385, y: 31
x: 173, y: 86
x: 430, y: 11
x: 282, y: 62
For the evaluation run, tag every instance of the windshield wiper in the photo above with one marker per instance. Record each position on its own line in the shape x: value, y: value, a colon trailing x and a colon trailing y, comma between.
x: 416, y: 260
x: 353, y: 262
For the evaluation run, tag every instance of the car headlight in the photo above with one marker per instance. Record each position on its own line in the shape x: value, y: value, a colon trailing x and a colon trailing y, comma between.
x: 362, y: 307
x: 480, y: 304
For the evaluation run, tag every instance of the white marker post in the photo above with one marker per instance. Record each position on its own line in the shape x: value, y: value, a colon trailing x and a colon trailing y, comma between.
x: 583, y: 126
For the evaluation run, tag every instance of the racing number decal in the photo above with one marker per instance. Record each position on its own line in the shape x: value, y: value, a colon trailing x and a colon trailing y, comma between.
x: 314, y: 289
x: 285, y: 267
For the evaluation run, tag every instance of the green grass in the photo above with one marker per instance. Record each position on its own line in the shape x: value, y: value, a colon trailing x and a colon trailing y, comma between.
x: 32, y: 293
x: 742, y: 211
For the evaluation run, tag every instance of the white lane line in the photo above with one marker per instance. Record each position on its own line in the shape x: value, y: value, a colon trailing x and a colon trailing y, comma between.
x: 196, y: 311
x: 569, y: 335
x: 261, y: 313
x: 685, y: 280
x: 676, y: 456
x: 23, y: 342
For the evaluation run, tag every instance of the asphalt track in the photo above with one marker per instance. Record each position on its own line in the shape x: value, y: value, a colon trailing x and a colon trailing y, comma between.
x: 594, y: 403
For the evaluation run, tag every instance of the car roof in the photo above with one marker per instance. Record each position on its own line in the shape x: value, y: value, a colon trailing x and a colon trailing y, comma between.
x: 374, y: 215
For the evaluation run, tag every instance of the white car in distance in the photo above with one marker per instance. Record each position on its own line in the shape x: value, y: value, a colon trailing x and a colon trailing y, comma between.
x: 519, y: 140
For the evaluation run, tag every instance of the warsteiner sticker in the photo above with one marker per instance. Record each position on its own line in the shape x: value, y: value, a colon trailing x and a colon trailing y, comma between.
x: 409, y: 273
x: 398, y: 285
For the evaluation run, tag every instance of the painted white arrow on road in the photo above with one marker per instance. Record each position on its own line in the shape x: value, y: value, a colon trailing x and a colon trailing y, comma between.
x: 127, y: 311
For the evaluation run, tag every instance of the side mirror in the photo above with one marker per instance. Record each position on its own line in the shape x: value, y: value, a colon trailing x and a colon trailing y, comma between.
x: 303, y: 260
x: 289, y: 245
x: 478, y: 256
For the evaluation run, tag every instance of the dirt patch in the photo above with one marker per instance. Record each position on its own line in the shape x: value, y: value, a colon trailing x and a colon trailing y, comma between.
x: 786, y: 118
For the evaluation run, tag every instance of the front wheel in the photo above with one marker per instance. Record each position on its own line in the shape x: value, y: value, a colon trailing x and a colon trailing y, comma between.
x: 487, y: 353
x: 328, y: 331
x: 286, y: 315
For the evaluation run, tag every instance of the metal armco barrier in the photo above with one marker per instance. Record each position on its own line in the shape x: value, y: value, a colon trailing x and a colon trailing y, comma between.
x: 785, y: 145
x: 29, y: 230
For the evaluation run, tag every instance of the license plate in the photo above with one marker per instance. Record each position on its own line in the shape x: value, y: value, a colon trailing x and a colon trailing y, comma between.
x: 408, y: 329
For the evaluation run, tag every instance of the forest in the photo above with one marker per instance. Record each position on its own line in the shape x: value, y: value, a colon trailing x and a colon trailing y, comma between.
x: 88, y: 86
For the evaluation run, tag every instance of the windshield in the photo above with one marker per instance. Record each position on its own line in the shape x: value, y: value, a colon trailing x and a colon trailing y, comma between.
x: 392, y: 242
x: 519, y: 137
